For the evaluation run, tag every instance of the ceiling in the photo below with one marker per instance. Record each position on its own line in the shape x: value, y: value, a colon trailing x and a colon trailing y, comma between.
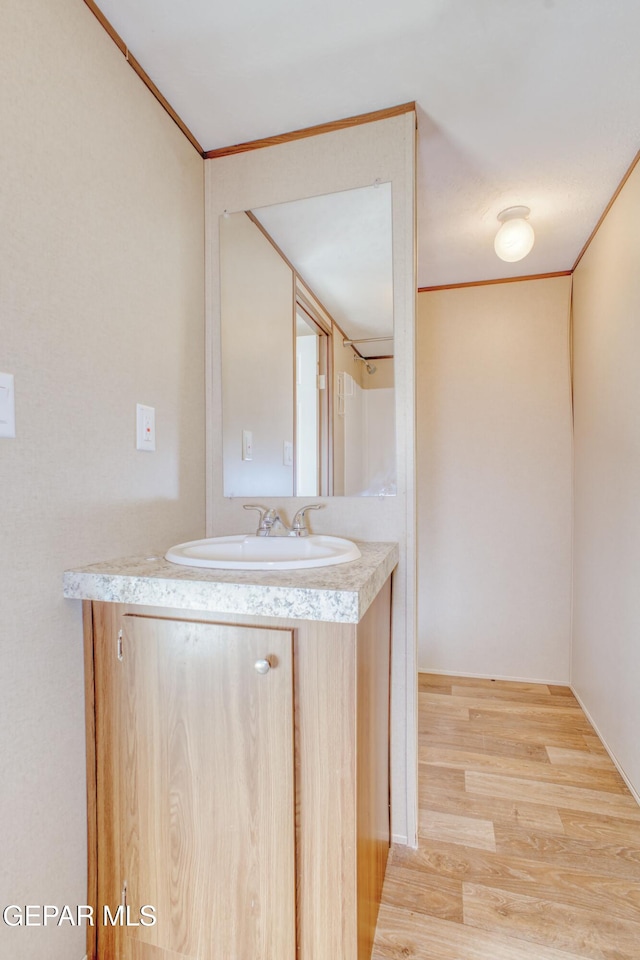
x: 340, y: 244
x: 533, y: 102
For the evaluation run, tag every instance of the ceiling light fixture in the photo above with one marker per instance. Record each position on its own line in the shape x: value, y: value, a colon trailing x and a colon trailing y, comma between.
x: 515, y: 238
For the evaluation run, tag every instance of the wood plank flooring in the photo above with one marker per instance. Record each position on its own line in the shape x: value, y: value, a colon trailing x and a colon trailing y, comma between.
x: 529, y: 840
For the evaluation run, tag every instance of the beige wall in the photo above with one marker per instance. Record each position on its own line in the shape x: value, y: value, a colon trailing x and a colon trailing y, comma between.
x: 342, y: 160
x: 606, y: 322
x: 494, y: 480
x: 382, y: 379
x: 101, y: 299
x: 257, y: 292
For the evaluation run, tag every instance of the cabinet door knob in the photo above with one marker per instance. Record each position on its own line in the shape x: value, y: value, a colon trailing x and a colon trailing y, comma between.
x: 262, y: 666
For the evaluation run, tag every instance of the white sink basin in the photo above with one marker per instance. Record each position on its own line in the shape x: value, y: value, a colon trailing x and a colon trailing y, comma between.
x: 246, y: 552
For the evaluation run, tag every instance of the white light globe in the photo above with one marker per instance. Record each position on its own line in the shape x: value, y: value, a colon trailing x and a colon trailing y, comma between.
x: 514, y: 240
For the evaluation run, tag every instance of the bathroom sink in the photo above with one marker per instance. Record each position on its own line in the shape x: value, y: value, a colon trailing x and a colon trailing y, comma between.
x: 247, y: 552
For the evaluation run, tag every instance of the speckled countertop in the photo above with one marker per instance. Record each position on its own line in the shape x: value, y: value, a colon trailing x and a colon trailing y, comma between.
x: 340, y: 594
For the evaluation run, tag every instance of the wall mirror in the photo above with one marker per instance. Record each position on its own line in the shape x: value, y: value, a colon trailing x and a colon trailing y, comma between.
x: 308, y: 405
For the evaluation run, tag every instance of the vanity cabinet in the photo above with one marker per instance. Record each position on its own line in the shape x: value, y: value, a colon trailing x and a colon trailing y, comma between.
x: 238, y: 782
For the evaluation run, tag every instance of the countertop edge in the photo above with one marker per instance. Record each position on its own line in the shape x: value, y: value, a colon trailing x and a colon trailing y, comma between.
x: 206, y: 593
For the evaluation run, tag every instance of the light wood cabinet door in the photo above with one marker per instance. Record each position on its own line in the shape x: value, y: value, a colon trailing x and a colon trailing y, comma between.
x: 206, y: 793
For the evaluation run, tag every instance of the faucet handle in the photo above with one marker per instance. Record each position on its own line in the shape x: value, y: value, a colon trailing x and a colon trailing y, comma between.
x: 255, y: 506
x: 263, y: 511
x: 299, y: 526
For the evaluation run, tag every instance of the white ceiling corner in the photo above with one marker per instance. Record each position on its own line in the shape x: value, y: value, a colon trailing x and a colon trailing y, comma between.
x: 534, y: 102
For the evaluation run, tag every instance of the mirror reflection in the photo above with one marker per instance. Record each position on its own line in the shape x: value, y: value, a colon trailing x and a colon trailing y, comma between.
x: 307, y: 347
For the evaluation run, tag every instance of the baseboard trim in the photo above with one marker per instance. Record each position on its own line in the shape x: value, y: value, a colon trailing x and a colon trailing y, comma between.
x: 495, y: 676
x: 616, y: 763
x: 402, y: 840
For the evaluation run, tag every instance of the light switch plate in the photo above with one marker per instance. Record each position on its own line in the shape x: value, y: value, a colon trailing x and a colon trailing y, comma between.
x: 145, y: 428
x: 247, y: 445
x: 7, y: 407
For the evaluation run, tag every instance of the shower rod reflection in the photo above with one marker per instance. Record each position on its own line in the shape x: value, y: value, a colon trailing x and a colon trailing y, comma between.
x: 348, y: 343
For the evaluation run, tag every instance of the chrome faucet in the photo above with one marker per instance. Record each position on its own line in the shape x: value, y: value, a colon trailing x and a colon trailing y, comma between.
x: 270, y: 519
x: 299, y: 526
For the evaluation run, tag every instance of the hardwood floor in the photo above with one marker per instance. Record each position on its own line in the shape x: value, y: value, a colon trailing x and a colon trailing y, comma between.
x: 529, y: 842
